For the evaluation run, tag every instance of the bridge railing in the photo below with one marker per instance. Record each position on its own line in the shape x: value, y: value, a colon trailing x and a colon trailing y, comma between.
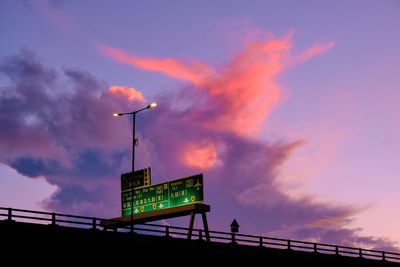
x: 51, y: 218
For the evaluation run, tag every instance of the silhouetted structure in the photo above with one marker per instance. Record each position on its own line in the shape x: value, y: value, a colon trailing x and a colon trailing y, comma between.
x: 57, y: 242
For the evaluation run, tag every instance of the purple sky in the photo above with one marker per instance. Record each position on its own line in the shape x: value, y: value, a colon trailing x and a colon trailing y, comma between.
x: 289, y: 108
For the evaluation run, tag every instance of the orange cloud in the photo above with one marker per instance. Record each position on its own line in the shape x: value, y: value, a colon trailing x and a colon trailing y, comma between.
x: 193, y: 72
x: 247, y: 88
x: 199, y: 156
x: 245, y: 91
x: 127, y: 92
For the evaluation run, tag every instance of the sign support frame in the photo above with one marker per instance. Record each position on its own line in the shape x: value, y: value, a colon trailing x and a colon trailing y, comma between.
x: 173, y: 212
x: 205, y: 225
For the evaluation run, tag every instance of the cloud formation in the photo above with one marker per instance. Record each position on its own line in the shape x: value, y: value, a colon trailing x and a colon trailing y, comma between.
x: 234, y: 102
x: 241, y: 94
x: 191, y: 71
x: 70, y: 138
x: 200, y: 156
x: 127, y: 92
x: 63, y: 135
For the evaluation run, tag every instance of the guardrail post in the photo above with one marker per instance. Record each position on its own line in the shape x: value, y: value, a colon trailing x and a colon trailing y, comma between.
x: 233, y: 238
x: 360, y: 252
x: 288, y: 244
x: 261, y: 241
x: 9, y: 217
x: 200, y: 234
x: 94, y: 223
x: 53, y: 219
x: 337, y: 250
x: 383, y: 255
x: 315, y: 248
x: 167, y: 230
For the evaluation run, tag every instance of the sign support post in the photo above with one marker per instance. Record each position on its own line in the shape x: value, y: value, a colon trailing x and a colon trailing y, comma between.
x: 205, y: 225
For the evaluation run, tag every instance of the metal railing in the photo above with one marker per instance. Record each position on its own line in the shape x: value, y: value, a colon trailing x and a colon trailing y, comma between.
x: 182, y: 232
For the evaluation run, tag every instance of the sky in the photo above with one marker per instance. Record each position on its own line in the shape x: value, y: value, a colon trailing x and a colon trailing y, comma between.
x: 288, y: 108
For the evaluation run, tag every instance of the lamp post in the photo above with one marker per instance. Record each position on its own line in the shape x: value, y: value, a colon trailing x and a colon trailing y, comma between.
x: 152, y: 105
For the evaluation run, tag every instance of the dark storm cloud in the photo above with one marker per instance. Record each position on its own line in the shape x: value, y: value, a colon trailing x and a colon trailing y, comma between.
x: 60, y: 133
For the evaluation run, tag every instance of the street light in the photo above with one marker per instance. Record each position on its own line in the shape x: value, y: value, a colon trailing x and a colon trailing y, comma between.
x: 152, y: 105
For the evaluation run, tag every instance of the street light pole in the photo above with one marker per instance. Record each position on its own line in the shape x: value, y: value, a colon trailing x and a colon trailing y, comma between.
x: 133, y: 144
x: 152, y: 105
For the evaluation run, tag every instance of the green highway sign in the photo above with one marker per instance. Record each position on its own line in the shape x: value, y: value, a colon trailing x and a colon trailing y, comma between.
x: 138, y: 178
x: 163, y: 195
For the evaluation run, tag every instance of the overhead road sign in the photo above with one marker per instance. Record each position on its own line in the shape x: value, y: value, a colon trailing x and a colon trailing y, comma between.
x: 164, y: 195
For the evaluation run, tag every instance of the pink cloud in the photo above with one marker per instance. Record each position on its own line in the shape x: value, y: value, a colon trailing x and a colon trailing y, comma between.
x: 200, y: 156
x: 192, y: 71
x: 243, y: 93
x: 317, y: 49
x: 127, y: 92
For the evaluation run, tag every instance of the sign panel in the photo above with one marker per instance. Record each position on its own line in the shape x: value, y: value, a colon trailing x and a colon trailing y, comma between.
x: 164, y: 195
x: 138, y: 178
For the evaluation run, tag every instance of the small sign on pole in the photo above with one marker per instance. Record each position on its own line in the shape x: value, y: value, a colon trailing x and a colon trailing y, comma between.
x: 135, y: 179
x: 138, y: 178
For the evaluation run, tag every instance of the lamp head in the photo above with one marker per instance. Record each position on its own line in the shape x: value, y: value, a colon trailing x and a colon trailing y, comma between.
x: 234, y: 226
x: 116, y: 114
x: 152, y: 105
